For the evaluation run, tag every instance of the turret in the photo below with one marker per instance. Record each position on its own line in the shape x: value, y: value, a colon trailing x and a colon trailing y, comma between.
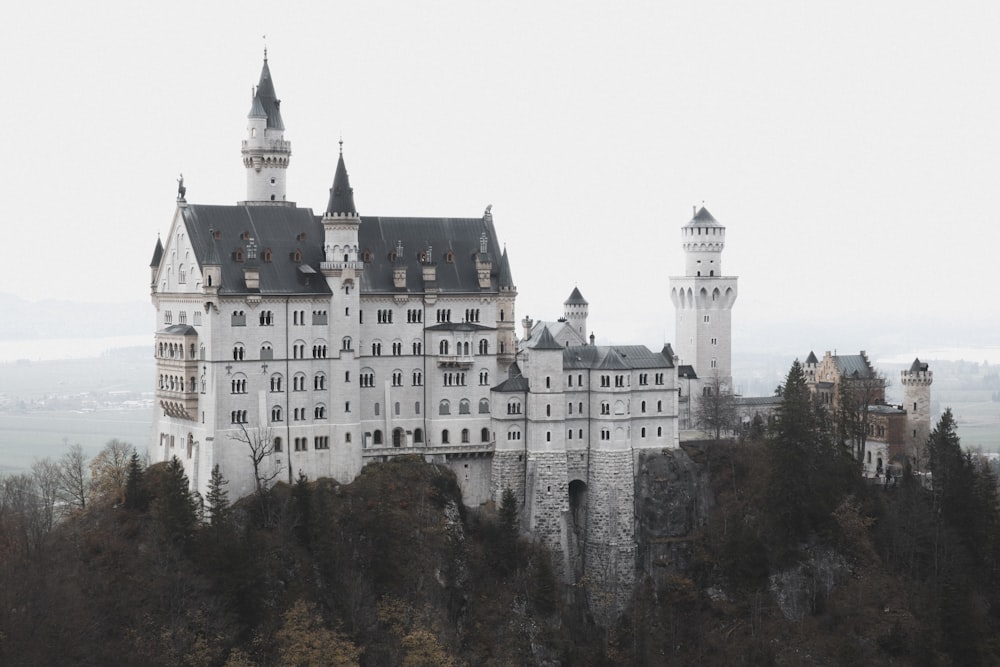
x: 265, y: 152
x: 917, y: 403
x: 575, y: 311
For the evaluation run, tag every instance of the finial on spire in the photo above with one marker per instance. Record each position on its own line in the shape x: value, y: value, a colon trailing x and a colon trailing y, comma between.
x: 264, y: 37
x: 341, y: 142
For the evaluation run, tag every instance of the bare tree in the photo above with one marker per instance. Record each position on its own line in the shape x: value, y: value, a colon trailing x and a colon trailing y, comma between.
x: 856, y: 396
x: 261, y: 446
x: 716, y: 411
x: 109, y: 470
x: 74, y: 483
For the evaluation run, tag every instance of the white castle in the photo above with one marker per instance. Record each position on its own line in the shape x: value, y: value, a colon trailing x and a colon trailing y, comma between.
x: 327, y: 342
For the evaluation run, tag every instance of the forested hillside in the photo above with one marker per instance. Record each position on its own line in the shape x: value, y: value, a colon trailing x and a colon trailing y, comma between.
x: 799, y: 563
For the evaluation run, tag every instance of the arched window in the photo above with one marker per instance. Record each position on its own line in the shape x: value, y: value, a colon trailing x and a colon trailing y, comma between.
x: 418, y: 435
x: 397, y: 437
x: 444, y: 408
x: 277, y: 445
x: 377, y: 437
x: 484, y: 406
x: 443, y: 347
x: 445, y: 438
x: 276, y: 413
x: 463, y: 407
x: 465, y: 436
x: 484, y: 346
x: 484, y: 435
x: 345, y: 344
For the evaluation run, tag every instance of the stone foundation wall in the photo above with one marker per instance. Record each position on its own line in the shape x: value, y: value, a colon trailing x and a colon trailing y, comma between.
x: 507, y: 471
x: 547, y: 506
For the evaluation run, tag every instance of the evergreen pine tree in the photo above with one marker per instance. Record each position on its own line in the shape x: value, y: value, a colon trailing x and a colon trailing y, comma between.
x: 175, y: 507
x: 217, y: 499
x: 136, y: 497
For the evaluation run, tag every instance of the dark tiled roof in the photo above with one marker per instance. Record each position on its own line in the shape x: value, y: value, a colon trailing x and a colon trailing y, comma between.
x: 756, y: 401
x: 282, y: 231
x: 278, y: 230
x: 918, y: 366
x: 543, y: 341
x: 703, y: 219
x: 515, y: 382
x: 849, y: 364
x: 157, y: 254
x: 179, y: 330
x: 341, y: 194
x: 575, y: 298
x: 811, y: 359
x: 454, y: 238
x: 267, y: 100
x: 459, y: 326
x: 686, y: 371
x: 617, y: 356
x: 668, y: 352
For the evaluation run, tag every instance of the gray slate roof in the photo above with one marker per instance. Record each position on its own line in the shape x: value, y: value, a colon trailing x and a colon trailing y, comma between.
x: 703, y: 219
x: 266, y: 100
x: 575, y: 298
x: 341, y: 194
x: 849, y: 364
x: 622, y: 357
x: 515, y: 382
x: 918, y: 366
x: 543, y: 341
x: 285, y: 230
x: 811, y: 359
x: 157, y: 254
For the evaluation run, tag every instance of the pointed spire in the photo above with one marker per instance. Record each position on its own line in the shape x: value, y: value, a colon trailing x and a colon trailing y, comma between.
x: 265, y: 100
x: 506, y: 280
x: 702, y: 218
x: 157, y: 253
x: 341, y: 194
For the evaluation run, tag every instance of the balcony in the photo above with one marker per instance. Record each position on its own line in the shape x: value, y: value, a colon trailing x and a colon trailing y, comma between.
x: 455, y: 360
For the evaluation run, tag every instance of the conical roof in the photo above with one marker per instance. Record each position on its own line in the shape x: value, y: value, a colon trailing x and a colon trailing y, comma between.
x: 341, y: 194
x: 703, y: 219
x: 157, y: 254
x: 575, y: 298
x: 265, y: 101
x: 506, y: 280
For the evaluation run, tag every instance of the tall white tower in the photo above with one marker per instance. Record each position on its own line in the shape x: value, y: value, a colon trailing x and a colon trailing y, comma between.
x: 703, y: 301
x: 265, y: 151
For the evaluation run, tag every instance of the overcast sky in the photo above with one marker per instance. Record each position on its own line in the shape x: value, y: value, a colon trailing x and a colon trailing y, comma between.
x: 850, y: 148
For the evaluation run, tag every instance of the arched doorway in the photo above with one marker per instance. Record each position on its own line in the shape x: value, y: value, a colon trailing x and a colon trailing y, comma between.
x: 397, y: 437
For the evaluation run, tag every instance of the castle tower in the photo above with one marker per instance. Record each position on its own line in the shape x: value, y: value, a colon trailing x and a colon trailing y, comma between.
x: 575, y: 312
x: 342, y: 269
x: 506, y: 322
x: 917, y: 403
x: 703, y: 300
x: 265, y: 151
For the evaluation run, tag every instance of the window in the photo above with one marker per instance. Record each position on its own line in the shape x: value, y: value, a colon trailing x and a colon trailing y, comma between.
x: 376, y: 349
x: 414, y: 315
x: 319, y: 351
x: 418, y: 378
x: 514, y: 434
x: 347, y: 406
x: 484, y: 435
x: 276, y: 413
x: 182, y: 317
x: 416, y: 408
x: 715, y: 363
x: 548, y: 436
x: 484, y: 346
x: 197, y: 318
x: 443, y: 347
x: 605, y: 380
x: 548, y: 410
x: 301, y: 444
x: 605, y: 434
x: 642, y: 407
x: 238, y: 416
x: 418, y: 348
x: 659, y: 406
x: 605, y: 408
x: 239, y: 318
x: 548, y: 382
x: 484, y: 406
x: 277, y: 445
x: 659, y: 378
x: 445, y: 437
x: 463, y: 407
x: 276, y: 382
x: 266, y: 352
x: 238, y: 352
x: 715, y: 341
x: 569, y: 434
x: 347, y: 376
x: 376, y: 409
x: 570, y: 406
x: 642, y: 432
x: 321, y: 442
x: 706, y: 319
x: 659, y: 431
x: 298, y: 350
x: 643, y: 379
x: 418, y: 435
x: 345, y: 344
x: 465, y: 436
x: 444, y: 408
x: 239, y: 385
x: 384, y: 316
x: 299, y: 382
x: 397, y: 349
x: 319, y: 317
x: 395, y: 408
x: 319, y: 381
x: 266, y: 318
x: 367, y: 379
x: 397, y: 378
x: 514, y: 407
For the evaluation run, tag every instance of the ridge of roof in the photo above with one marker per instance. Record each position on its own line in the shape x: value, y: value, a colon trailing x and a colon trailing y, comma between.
x: 545, y: 341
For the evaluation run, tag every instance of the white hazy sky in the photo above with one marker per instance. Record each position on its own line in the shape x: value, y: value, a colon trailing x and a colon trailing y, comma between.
x: 851, y: 148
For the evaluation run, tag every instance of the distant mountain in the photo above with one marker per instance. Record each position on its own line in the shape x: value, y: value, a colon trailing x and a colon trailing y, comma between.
x: 55, y: 318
